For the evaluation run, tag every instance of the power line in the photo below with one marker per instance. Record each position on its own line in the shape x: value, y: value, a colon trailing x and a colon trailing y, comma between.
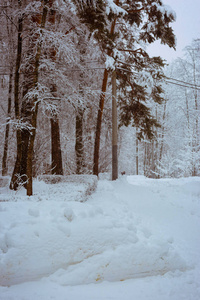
x: 195, y: 87
x: 130, y: 71
x: 186, y: 84
x: 190, y: 87
x: 181, y: 81
x: 174, y: 79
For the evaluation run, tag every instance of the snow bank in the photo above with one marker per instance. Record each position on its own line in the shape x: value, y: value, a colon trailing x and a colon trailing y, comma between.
x: 116, y: 235
x: 67, y: 188
x: 136, y: 237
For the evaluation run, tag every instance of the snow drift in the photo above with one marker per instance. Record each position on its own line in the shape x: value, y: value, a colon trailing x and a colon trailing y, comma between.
x: 113, y: 236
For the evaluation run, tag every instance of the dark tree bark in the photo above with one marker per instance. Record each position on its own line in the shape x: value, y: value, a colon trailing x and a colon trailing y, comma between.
x: 79, y: 145
x: 163, y: 132
x: 5, y: 151
x: 16, y: 171
x: 100, y: 110
x: 98, y: 126
x: 137, y: 155
x: 79, y: 142
x: 40, y: 20
x: 55, y: 147
x: 26, y: 134
x: 56, y: 154
x: 26, y: 115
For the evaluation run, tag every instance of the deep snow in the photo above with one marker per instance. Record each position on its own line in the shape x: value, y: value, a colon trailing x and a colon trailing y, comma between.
x: 134, y: 238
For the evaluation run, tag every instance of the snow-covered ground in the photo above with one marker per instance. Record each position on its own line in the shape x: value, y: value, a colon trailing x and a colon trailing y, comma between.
x: 134, y: 238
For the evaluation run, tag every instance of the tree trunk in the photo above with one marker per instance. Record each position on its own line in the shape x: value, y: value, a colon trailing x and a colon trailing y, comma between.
x: 137, y: 158
x: 5, y: 152
x: 153, y: 160
x: 163, y: 131
x: 56, y: 154
x: 196, y: 132
x: 79, y: 142
x: 55, y: 148
x: 100, y: 110
x: 145, y: 159
x: 114, y: 129
x: 98, y: 126
x: 29, y: 166
x: 16, y: 171
x: 187, y: 109
x: 26, y: 114
x: 40, y: 20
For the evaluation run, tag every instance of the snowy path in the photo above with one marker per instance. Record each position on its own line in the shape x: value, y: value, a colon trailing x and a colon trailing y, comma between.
x: 135, y: 238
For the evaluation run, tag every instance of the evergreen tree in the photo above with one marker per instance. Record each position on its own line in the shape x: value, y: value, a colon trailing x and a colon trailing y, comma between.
x: 122, y: 29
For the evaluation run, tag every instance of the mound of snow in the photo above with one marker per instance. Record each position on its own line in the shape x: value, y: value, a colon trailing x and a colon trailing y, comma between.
x: 67, y: 188
x: 117, y: 234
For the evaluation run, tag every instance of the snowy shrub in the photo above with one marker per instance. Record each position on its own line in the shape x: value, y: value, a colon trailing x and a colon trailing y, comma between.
x: 86, y: 183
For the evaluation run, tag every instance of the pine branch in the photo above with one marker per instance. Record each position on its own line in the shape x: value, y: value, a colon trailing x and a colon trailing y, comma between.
x: 134, y: 10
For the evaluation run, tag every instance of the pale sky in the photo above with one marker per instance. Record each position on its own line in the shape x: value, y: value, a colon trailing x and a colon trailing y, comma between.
x: 186, y: 28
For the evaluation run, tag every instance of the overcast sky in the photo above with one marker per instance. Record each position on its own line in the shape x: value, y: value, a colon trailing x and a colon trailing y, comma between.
x: 186, y: 28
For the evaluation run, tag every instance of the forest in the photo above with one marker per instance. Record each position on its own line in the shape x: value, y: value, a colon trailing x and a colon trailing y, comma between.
x: 83, y: 102
x: 57, y: 62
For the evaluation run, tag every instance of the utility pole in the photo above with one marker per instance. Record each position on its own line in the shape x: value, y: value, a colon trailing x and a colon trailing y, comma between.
x: 114, y: 129
x: 137, y: 163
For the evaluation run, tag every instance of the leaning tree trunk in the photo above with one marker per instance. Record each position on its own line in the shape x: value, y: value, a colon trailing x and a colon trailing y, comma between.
x: 5, y: 151
x: 100, y: 110
x: 14, y: 180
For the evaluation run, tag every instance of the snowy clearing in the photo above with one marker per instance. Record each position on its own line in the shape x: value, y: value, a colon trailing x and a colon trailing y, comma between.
x: 135, y: 238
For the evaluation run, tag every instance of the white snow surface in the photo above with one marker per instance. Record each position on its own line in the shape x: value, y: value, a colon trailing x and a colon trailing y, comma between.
x: 134, y: 238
